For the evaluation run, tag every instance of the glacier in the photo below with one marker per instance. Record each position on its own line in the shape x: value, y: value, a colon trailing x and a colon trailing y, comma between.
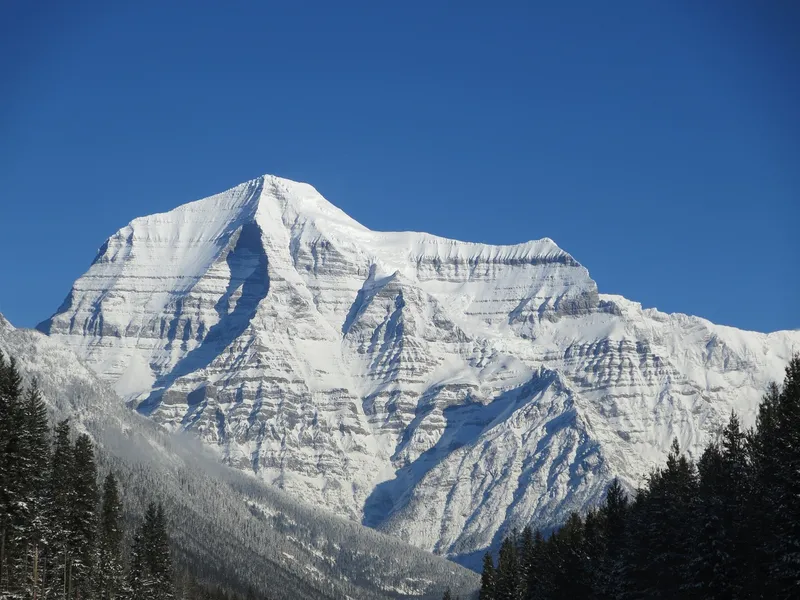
x: 436, y: 390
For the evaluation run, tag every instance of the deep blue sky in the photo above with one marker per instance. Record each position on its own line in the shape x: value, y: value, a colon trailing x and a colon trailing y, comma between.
x: 657, y: 142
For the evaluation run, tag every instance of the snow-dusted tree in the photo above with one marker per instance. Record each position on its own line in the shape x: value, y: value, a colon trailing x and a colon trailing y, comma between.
x: 12, y: 477
x: 507, y: 585
x: 160, y: 557
x: 110, y: 575
x: 83, y: 517
x: 775, y: 457
x: 488, y: 578
x: 140, y: 583
x: 36, y: 436
x: 60, y: 498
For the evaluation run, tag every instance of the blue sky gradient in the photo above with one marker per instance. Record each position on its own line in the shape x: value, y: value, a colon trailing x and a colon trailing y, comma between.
x: 657, y: 142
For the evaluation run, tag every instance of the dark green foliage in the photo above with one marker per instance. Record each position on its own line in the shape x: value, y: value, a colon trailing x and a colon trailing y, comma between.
x: 727, y: 528
x: 36, y: 435
x: 139, y: 581
x: 539, y: 580
x: 57, y: 540
x: 61, y: 495
x: 659, y: 539
x: 508, y: 576
x: 488, y: 579
x: 83, y: 517
x: 156, y: 575
x: 525, y: 552
x: 775, y: 450
x: 12, y: 470
x: 110, y: 578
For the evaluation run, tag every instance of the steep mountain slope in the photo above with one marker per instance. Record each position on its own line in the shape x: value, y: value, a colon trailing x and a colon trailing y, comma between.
x: 238, y: 529
x: 438, y: 390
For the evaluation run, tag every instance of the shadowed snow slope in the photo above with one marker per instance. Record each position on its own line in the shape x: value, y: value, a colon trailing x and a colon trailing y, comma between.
x: 236, y: 527
x: 438, y: 390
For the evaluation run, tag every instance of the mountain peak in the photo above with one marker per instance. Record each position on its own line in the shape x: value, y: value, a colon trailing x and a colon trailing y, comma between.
x: 441, y: 390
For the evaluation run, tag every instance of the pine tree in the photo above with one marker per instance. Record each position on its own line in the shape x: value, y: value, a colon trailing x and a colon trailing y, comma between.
x: 572, y: 580
x: 61, y: 496
x: 525, y: 555
x: 37, y: 463
x: 161, y: 561
x: 615, y: 514
x: 447, y: 595
x: 594, y: 553
x: 719, y: 547
x: 140, y: 583
x: 761, y: 509
x: 508, y: 583
x: 12, y: 477
x: 488, y: 578
x: 707, y: 575
x: 659, y: 537
x: 539, y: 584
x: 775, y: 454
x: 729, y: 528
x: 109, y: 565
x: 151, y: 575
x: 83, y: 517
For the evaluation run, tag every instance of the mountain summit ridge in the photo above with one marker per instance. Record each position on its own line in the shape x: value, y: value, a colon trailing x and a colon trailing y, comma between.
x: 439, y: 390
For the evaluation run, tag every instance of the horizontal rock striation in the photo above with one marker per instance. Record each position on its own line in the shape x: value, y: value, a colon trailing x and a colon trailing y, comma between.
x: 439, y: 390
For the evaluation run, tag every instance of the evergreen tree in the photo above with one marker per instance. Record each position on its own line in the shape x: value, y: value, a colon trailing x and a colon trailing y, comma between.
x: 140, y: 583
x: 83, y: 517
x: 615, y: 516
x: 775, y: 455
x: 161, y: 561
x: 54, y: 543
x: 762, y: 508
x: 729, y: 528
x: 707, y: 573
x: 61, y: 496
x: 572, y: 580
x: 660, y: 540
x: 508, y: 583
x: 539, y: 582
x: 488, y: 578
x: 594, y: 554
x: 37, y: 464
x: 12, y: 477
x: 151, y: 575
x: 525, y: 554
x: 719, y: 544
x: 109, y: 564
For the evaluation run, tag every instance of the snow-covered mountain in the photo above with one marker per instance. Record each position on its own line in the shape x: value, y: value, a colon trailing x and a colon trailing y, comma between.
x: 240, y: 530
x: 437, y: 390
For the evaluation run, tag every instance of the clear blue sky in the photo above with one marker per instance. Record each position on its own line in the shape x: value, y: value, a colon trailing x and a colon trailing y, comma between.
x: 657, y: 142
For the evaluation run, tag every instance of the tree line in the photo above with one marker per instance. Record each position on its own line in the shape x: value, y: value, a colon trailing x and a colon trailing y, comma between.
x: 61, y: 534
x: 727, y: 527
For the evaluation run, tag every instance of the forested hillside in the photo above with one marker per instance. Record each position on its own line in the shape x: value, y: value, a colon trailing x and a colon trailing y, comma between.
x: 62, y: 530
x: 61, y: 535
x: 228, y: 531
x: 726, y: 527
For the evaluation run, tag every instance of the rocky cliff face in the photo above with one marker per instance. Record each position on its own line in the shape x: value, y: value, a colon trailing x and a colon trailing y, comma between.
x: 438, y: 390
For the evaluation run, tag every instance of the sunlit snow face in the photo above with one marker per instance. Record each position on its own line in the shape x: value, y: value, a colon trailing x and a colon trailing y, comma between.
x: 440, y: 390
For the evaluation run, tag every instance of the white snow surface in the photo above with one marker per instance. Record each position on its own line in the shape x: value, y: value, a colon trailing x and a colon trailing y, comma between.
x: 438, y: 390
x: 256, y: 535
